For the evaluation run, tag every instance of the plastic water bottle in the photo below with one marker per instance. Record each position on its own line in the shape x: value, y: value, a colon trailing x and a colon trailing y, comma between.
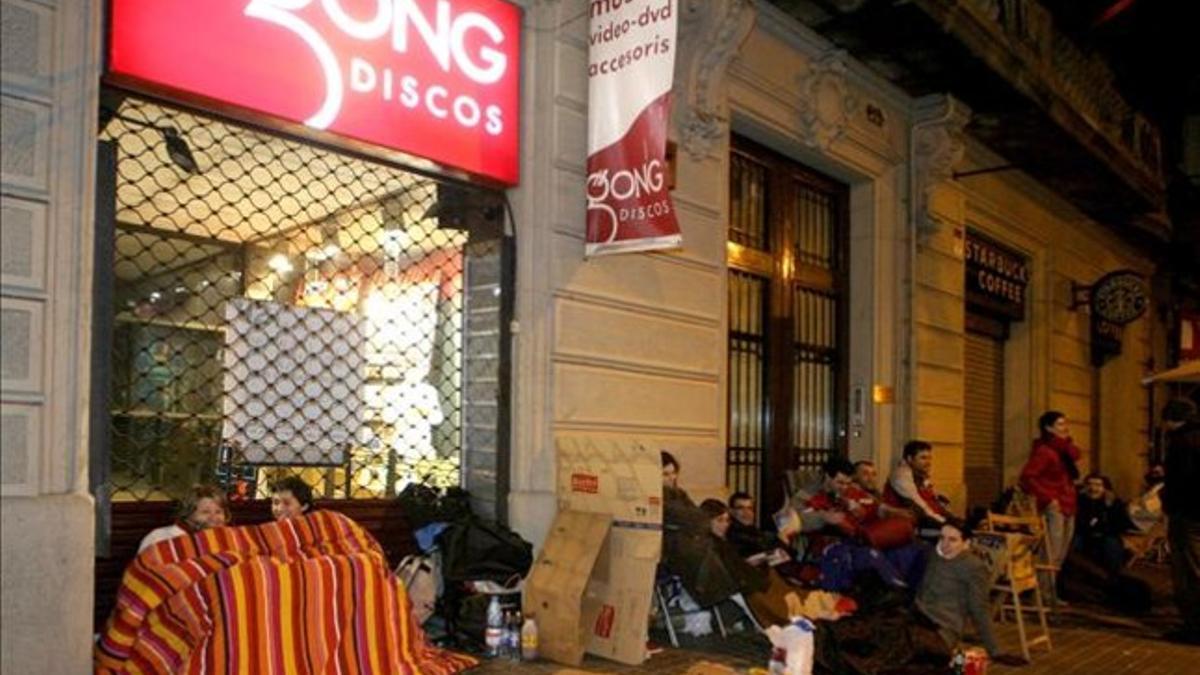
x: 529, y: 639
x: 493, y: 637
x: 513, y: 636
x: 958, y: 663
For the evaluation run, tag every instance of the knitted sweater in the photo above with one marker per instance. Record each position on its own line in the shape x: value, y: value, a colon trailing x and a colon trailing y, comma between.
x: 954, y: 590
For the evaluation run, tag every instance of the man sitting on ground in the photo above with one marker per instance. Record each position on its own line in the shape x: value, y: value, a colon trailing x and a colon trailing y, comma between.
x: 834, y: 532
x: 1100, y: 520
x: 1146, y: 511
x: 866, y: 476
x: 955, y: 589
x: 910, y: 487
x: 743, y: 534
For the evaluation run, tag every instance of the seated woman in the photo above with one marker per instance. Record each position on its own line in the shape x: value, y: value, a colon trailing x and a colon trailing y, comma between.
x: 202, y: 507
x: 710, y: 569
x: 291, y: 497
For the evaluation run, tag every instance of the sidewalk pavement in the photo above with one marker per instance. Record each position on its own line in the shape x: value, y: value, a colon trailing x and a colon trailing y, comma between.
x: 1084, y: 643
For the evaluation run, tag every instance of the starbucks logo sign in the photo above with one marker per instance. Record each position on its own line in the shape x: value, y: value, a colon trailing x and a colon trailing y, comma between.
x: 1120, y: 297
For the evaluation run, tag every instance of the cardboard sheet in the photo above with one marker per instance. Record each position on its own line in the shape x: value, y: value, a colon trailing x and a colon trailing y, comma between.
x: 555, y: 587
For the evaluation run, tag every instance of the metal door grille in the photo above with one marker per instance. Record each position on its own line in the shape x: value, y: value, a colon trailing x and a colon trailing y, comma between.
x: 282, y: 309
x: 815, y: 320
x: 747, y: 382
x: 747, y: 202
x: 787, y: 389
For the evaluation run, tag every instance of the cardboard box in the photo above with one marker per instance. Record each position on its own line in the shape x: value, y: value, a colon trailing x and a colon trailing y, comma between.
x: 555, y: 587
x: 620, y: 481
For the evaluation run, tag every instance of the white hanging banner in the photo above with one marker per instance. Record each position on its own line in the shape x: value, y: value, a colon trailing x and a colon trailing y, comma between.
x: 631, y: 67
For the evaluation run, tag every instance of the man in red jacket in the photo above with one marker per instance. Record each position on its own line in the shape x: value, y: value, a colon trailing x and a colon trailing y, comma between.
x: 1050, y: 476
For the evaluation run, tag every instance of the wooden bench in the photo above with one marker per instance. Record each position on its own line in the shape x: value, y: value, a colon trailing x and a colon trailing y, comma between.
x: 131, y: 521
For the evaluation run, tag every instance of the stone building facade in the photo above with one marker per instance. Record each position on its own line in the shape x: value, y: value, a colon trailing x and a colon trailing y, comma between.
x: 624, y: 347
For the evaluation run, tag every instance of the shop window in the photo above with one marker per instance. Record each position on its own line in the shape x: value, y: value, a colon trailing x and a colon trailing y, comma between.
x: 787, y: 289
x: 280, y: 308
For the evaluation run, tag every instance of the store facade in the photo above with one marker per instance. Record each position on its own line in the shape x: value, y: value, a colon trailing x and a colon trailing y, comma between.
x: 825, y: 300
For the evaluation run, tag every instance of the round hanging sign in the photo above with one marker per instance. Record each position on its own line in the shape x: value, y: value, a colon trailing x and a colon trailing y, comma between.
x: 1120, y: 297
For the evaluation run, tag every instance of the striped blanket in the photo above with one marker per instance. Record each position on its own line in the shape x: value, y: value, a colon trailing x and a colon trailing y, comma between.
x: 308, y: 595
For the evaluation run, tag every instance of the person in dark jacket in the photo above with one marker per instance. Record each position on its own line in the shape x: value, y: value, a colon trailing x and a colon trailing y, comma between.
x: 1100, y: 519
x: 1049, y: 475
x: 710, y: 569
x: 1181, y: 503
x: 743, y: 535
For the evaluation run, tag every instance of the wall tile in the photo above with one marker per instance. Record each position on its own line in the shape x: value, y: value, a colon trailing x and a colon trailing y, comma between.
x: 22, y: 243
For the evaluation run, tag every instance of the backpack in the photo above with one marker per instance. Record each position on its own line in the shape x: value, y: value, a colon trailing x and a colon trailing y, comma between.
x: 474, y: 549
x: 422, y: 579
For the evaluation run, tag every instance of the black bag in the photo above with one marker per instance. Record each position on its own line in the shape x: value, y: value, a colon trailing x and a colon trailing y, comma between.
x: 424, y: 505
x: 474, y: 549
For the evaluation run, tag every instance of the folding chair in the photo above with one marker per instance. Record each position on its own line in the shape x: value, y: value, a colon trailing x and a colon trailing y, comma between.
x: 1011, y: 560
x: 666, y: 587
x: 1034, y: 527
x: 1150, y: 546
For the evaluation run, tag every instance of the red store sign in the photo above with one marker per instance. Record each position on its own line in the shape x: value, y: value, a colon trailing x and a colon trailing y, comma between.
x: 434, y: 78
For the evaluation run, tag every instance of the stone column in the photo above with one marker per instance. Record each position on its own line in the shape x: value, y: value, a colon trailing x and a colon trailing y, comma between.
x: 50, y: 63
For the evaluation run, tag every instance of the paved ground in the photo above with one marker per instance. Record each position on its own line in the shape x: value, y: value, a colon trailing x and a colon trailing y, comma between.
x: 1085, y: 641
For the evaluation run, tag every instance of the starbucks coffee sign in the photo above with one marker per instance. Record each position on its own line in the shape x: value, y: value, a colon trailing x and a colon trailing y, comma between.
x: 996, y: 279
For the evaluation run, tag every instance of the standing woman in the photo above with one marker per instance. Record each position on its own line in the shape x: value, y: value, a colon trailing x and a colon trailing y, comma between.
x: 1050, y: 476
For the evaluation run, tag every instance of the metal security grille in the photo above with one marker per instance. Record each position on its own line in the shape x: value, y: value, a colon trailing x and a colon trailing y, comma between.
x: 786, y: 254
x: 279, y: 308
x: 983, y: 428
x: 815, y: 353
x: 747, y: 202
x: 747, y: 382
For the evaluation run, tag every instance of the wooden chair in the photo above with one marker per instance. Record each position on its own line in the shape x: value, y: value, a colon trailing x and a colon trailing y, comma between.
x: 1150, y: 546
x: 1010, y: 556
x: 1022, y: 504
x: 1034, y: 527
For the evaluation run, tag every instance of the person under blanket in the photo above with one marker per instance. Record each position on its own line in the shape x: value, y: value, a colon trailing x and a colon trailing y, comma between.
x: 834, y: 533
x: 291, y: 497
x: 202, y: 507
x: 299, y: 596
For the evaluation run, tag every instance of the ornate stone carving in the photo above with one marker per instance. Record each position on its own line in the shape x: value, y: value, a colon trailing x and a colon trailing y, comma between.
x: 827, y: 101
x: 710, y: 32
x: 938, y: 142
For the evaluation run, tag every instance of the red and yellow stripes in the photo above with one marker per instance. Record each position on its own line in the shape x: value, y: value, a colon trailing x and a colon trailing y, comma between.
x: 312, y: 595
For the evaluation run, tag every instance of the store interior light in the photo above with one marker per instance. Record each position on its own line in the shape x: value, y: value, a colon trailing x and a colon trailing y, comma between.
x: 280, y: 263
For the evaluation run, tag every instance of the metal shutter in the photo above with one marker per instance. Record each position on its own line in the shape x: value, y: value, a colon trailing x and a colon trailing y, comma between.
x: 984, y: 400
